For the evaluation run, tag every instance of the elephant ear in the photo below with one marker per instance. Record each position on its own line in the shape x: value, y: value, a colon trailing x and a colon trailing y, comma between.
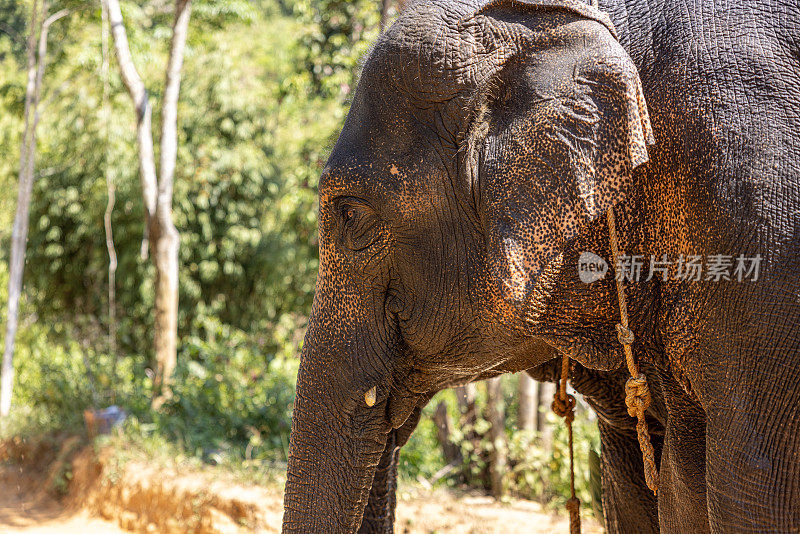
x: 559, y: 125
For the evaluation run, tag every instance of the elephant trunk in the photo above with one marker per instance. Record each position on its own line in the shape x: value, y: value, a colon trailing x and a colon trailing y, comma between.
x: 379, y: 513
x: 336, y: 445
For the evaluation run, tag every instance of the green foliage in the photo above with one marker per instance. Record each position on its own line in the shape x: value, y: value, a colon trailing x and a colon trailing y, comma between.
x: 12, y: 98
x: 248, y: 212
x: 230, y: 398
x: 252, y: 143
x: 537, y: 473
x: 422, y: 455
x: 534, y: 470
x: 13, y: 22
x: 338, y: 34
x: 253, y: 136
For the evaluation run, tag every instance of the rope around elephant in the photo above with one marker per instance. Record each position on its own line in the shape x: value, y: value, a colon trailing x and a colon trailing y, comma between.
x: 637, y: 395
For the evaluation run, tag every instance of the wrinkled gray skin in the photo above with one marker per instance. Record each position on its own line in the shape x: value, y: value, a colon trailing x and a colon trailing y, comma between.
x: 483, y: 146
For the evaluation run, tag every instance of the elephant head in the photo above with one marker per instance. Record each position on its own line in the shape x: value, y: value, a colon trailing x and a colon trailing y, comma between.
x: 481, y: 139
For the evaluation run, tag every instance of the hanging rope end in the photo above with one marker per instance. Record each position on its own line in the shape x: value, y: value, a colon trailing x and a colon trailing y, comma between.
x: 574, y: 509
x: 651, y: 478
x: 564, y: 406
x: 650, y: 470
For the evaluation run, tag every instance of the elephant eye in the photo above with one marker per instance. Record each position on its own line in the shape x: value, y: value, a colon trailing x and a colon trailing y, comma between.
x: 358, y: 222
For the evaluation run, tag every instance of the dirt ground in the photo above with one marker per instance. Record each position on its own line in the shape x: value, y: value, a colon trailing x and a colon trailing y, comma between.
x: 440, y: 511
x: 24, y: 508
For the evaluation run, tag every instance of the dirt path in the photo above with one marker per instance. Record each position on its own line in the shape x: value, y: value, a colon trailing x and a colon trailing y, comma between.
x: 439, y: 511
x: 25, y: 509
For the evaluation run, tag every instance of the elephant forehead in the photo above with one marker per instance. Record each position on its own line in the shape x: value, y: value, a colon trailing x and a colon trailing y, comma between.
x: 435, y: 52
x: 424, y: 52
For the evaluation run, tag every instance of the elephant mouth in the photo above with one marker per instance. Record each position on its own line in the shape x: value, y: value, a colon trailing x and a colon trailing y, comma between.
x: 401, y: 404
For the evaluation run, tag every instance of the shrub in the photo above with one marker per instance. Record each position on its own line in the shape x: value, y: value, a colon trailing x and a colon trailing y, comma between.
x: 232, y: 399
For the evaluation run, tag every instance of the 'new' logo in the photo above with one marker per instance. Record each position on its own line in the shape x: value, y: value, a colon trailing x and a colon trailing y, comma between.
x: 591, y: 267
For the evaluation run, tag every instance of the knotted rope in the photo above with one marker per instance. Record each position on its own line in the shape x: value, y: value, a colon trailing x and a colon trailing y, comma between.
x: 564, y: 406
x: 637, y: 392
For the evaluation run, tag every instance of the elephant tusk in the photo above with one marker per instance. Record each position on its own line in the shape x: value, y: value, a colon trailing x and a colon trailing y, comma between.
x: 370, y: 396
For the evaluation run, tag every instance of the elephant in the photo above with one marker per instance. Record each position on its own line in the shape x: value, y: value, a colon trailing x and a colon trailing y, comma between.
x: 468, y: 192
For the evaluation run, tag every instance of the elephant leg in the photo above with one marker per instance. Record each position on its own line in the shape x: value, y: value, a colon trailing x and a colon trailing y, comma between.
x: 753, y: 462
x: 682, y: 502
x: 379, y: 513
x: 628, y: 504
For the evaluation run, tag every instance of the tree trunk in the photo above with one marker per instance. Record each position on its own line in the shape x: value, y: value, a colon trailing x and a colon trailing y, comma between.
x: 469, y: 412
x: 469, y: 417
x: 165, y: 255
x: 157, y: 189
x: 144, y: 115
x: 528, y: 393
x: 547, y: 391
x: 20, y: 230
x: 107, y: 217
x: 27, y: 158
x: 496, y: 417
x: 466, y: 402
x: 444, y: 431
x: 167, y: 241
